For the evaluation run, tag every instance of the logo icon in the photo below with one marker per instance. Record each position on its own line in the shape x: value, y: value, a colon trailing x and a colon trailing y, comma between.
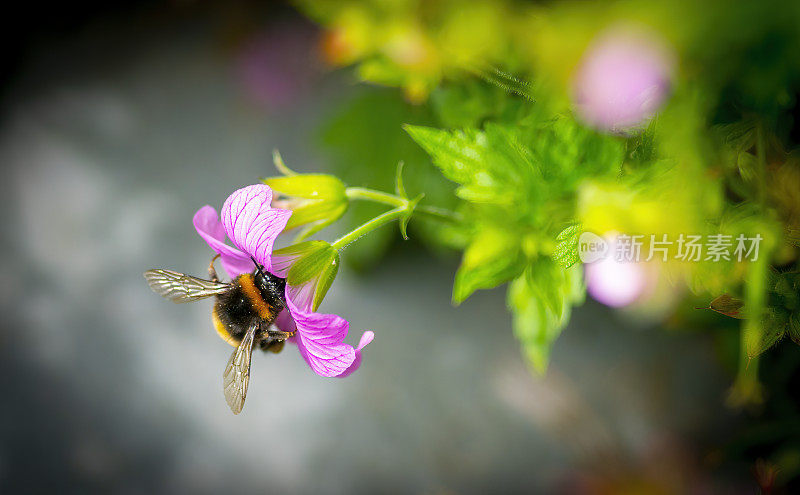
x: 592, y: 247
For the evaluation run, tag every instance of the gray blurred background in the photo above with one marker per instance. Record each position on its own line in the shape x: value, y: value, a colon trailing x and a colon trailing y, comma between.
x: 114, y: 131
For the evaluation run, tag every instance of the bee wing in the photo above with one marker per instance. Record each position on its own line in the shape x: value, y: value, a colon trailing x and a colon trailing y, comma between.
x: 237, y: 373
x: 182, y: 288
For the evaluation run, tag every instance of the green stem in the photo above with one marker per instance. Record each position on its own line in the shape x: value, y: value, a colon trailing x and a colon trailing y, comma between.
x: 439, y: 213
x: 362, y: 193
x: 371, y: 225
x: 402, y: 206
x: 755, y: 290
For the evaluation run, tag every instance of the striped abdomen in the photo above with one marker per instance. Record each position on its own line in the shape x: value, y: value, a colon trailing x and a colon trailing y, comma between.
x: 250, y: 298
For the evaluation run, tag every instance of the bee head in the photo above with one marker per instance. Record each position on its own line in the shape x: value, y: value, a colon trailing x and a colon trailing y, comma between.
x: 269, y: 283
x: 259, y: 271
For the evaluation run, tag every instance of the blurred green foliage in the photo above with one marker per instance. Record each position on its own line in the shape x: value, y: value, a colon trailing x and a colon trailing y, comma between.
x: 720, y: 157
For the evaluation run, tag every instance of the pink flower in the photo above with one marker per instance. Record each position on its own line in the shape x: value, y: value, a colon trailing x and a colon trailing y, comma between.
x: 252, y: 225
x: 622, y: 80
x: 614, y: 282
x: 249, y: 222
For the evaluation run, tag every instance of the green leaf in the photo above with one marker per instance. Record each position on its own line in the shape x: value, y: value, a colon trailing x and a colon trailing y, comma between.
x: 762, y: 335
x: 472, y: 102
x: 794, y: 328
x: 566, y: 251
x: 792, y: 236
x: 491, y: 167
x: 739, y: 136
x: 326, y: 278
x: 460, y: 155
x: 728, y: 306
x: 493, y: 257
x: 309, y: 258
x: 642, y: 148
x: 317, y: 263
x: 780, y: 315
x: 569, y: 153
x: 297, y: 250
x: 520, y: 166
x: 541, y: 301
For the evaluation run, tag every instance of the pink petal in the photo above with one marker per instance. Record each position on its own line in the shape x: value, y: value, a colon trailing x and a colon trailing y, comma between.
x: 285, y: 323
x: 236, y: 266
x: 250, y: 222
x: 320, y: 340
x: 302, y: 295
x: 281, y: 264
x: 206, y: 222
x: 366, y: 338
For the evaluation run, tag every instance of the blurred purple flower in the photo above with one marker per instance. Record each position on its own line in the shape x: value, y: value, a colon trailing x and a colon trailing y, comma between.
x: 622, y: 80
x: 252, y: 225
x: 615, y: 283
x: 276, y: 66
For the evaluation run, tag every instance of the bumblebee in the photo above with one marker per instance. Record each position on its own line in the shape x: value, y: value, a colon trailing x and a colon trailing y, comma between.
x: 244, y: 315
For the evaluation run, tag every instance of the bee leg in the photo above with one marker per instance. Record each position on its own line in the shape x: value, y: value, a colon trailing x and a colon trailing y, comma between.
x: 279, y: 335
x: 212, y: 273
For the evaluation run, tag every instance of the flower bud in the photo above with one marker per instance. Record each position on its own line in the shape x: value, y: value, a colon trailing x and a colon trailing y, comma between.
x: 316, y: 200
